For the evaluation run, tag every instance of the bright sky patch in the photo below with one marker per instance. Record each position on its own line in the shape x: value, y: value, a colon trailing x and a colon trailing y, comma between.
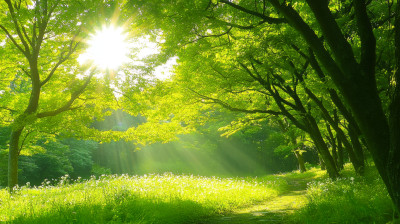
x: 108, y: 48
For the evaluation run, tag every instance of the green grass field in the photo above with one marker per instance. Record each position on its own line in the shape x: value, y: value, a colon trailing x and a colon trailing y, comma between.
x: 170, y: 198
x: 135, y: 199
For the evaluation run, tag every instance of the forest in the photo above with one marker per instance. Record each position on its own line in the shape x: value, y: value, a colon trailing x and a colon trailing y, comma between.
x: 202, y: 111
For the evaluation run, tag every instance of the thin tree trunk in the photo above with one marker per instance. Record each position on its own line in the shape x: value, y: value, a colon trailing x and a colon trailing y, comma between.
x: 358, y: 150
x: 13, y: 155
x: 300, y: 160
x: 321, y: 163
x: 322, y: 148
x: 393, y: 165
x: 297, y: 153
x: 332, y: 141
x: 340, y: 154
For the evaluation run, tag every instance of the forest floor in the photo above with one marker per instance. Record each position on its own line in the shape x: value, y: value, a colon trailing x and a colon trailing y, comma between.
x: 276, y: 210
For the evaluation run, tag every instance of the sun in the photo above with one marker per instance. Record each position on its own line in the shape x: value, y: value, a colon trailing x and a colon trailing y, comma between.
x: 108, y: 48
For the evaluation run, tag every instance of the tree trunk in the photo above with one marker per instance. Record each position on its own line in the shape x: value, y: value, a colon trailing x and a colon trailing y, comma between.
x: 28, y: 116
x: 357, y: 162
x: 322, y: 148
x: 335, y: 156
x: 340, y: 154
x: 297, y: 153
x: 13, y: 155
x: 321, y: 162
x: 358, y: 150
x: 356, y: 154
x: 393, y: 165
x: 332, y: 141
x: 357, y: 83
x: 300, y: 160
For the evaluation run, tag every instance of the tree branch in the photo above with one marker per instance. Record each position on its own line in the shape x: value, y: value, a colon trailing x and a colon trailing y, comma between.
x: 235, y: 109
x: 275, y: 94
x: 23, y: 141
x: 368, y: 42
x: 278, y: 97
x: 25, y: 71
x: 26, y: 36
x: 67, y: 105
x: 286, y: 113
x: 200, y: 36
x: 338, y: 44
x: 14, y: 41
x: 239, y: 26
x: 267, y: 19
x: 60, y: 61
x: 217, y: 35
x: 17, y: 28
x: 295, y: 20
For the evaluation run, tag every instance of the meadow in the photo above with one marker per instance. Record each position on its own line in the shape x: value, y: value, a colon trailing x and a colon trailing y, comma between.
x: 151, y: 198
x: 170, y: 198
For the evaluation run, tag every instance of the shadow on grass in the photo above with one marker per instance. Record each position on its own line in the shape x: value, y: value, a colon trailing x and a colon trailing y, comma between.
x: 129, y: 210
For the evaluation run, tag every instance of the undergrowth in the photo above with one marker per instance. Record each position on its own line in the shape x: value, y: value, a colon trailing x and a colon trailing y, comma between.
x: 349, y: 199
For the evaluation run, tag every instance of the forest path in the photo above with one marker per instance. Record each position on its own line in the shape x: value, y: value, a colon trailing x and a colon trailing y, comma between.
x: 275, y: 210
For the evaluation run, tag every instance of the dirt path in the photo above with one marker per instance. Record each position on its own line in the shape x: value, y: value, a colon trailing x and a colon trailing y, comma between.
x: 272, y: 211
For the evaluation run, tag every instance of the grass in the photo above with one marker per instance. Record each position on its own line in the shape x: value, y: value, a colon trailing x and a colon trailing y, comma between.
x: 170, y: 198
x: 164, y: 198
x: 349, y: 199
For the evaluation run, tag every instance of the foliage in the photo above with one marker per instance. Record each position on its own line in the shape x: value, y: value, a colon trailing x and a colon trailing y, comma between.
x: 80, y: 157
x: 61, y: 157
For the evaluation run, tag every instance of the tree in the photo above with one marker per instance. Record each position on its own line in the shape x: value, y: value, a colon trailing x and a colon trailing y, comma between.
x: 341, y: 35
x: 45, y: 94
x: 354, y: 75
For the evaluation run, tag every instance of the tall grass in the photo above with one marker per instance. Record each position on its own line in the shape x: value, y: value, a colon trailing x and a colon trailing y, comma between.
x: 154, y: 198
x: 350, y: 199
x: 177, y: 199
